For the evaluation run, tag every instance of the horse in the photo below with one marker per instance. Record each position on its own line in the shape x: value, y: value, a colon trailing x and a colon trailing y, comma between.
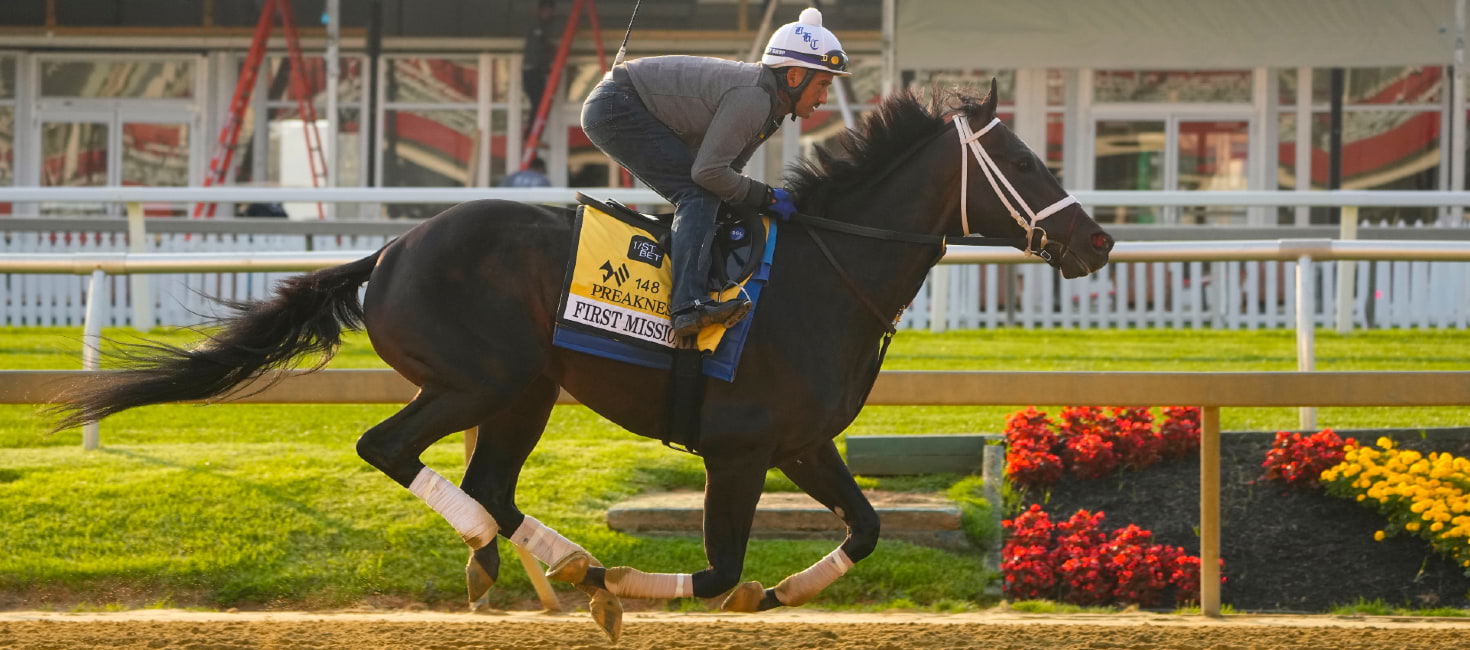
x: 463, y: 304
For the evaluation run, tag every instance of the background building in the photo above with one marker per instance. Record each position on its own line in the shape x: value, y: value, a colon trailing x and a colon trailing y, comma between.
x: 1125, y: 94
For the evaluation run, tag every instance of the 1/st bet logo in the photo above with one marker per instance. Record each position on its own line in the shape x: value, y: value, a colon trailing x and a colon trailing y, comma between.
x: 643, y: 249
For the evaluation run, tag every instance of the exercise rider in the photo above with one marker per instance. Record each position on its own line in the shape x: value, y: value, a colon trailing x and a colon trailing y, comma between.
x: 686, y: 126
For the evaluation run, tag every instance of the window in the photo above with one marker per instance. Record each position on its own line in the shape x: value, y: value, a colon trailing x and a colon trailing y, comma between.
x: 1391, y: 135
x: 430, y: 126
x: 122, y: 79
x: 1233, y: 86
x: 7, y: 123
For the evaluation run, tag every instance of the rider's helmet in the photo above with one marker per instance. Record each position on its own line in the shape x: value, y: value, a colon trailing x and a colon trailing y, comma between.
x: 805, y: 44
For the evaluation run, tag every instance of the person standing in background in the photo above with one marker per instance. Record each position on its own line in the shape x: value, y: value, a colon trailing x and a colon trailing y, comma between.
x: 537, y: 55
x: 533, y: 176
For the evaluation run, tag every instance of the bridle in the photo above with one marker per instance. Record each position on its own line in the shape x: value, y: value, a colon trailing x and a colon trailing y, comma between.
x: 1033, y: 243
x: 1035, y: 236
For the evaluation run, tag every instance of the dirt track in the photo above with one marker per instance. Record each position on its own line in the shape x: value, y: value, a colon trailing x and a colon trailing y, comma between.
x: 804, y: 629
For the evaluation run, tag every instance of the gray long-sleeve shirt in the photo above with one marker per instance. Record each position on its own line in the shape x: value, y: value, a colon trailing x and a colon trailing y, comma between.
x: 724, y: 110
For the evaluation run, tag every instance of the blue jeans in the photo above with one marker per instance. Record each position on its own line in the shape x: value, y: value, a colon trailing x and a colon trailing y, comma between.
x: 615, y: 119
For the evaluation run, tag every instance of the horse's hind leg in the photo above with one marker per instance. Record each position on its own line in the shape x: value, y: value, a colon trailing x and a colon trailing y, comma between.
x: 730, y: 498
x: 824, y: 476
x: 505, y: 440
x: 394, y: 446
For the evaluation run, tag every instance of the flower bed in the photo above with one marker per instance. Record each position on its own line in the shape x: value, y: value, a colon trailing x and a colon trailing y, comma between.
x: 1286, y: 549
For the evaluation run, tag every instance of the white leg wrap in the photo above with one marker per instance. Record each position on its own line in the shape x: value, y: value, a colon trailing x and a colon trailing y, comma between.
x: 474, y: 525
x: 544, y: 543
x: 630, y: 582
x: 802, y: 587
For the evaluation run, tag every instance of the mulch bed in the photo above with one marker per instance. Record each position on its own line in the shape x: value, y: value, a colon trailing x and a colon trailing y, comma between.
x: 1285, y: 549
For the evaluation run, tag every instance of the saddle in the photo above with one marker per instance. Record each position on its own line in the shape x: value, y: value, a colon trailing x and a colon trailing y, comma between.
x: 740, y: 237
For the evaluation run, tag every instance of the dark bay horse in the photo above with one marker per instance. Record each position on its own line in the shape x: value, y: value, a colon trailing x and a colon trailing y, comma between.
x: 463, y: 307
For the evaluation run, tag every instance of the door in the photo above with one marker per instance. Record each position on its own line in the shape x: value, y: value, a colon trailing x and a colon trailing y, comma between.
x: 75, y: 151
x: 1212, y: 156
x: 114, y: 147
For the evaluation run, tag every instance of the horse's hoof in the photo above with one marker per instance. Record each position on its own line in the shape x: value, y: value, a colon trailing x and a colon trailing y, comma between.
x: 572, y: 568
x: 478, y: 582
x: 745, y: 598
x: 607, y: 610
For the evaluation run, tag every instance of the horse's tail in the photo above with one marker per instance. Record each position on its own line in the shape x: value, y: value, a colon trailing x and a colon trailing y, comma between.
x: 306, y: 316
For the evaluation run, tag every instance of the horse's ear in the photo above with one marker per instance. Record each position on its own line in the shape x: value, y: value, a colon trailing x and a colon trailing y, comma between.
x: 988, y: 104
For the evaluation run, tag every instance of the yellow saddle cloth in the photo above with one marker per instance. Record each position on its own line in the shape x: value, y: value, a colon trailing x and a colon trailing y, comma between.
x: 619, y: 283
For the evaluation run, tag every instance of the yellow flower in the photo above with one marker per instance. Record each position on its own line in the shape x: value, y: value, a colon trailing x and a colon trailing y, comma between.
x: 1362, y: 496
x: 1378, y: 537
x: 1412, y: 526
x: 1385, y: 443
x: 1436, y: 526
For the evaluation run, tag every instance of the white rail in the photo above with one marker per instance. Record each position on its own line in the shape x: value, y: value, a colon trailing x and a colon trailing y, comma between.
x: 1248, y: 198
x: 1172, y: 251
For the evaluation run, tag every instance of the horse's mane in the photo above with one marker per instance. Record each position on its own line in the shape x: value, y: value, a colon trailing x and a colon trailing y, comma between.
x: 861, y: 155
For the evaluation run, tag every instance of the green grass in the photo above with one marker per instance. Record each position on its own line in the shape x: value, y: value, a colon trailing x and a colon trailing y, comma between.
x: 248, y: 504
x: 1052, y: 607
x: 1377, y: 607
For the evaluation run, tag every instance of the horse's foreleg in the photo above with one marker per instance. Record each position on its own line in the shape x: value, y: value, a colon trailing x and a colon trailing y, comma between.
x: 824, y: 476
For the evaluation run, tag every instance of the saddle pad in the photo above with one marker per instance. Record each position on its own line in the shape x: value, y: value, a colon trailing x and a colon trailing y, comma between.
x: 615, y: 302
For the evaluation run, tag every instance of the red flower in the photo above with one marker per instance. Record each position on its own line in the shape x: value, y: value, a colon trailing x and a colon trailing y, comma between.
x: 1299, y: 460
x: 1074, y: 561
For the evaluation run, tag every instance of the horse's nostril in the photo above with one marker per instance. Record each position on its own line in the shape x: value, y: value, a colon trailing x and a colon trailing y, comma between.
x: 1101, y: 241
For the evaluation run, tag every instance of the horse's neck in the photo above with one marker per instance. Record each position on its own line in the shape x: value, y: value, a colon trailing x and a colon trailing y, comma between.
x: 914, y: 198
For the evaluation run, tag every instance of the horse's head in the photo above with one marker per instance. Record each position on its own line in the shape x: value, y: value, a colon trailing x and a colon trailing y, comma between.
x: 1005, y: 191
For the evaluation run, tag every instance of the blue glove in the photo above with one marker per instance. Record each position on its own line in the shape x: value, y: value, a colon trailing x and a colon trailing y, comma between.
x: 780, y: 205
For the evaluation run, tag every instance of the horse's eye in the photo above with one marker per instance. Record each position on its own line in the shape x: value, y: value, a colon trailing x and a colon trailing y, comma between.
x: 1024, y: 165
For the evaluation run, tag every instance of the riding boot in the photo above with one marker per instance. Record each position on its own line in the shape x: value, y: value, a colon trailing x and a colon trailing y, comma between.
x: 693, y: 309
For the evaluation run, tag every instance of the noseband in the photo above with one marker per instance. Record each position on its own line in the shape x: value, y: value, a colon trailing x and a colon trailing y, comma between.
x: 1036, y: 240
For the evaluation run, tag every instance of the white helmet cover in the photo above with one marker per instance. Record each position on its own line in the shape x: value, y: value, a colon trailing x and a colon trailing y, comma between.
x: 807, y: 44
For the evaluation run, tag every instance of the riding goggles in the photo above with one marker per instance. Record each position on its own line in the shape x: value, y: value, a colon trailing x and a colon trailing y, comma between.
x: 834, y: 60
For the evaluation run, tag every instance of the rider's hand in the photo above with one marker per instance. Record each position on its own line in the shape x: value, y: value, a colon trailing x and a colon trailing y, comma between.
x: 779, y: 204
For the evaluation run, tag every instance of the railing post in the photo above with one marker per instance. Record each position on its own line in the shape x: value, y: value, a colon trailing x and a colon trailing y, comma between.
x: 544, y: 592
x: 1209, y: 511
x: 140, y: 283
x: 1346, y: 272
x: 939, y: 299
x: 92, y: 346
x: 993, y: 470
x: 1306, y: 310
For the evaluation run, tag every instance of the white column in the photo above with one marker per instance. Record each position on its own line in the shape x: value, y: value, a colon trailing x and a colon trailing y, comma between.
x: 91, y: 344
x: 1346, y: 270
x: 140, y: 283
x: 1303, y: 140
x: 1456, y: 213
x: 1305, y: 331
x: 890, y: 41
x: 1260, y: 155
x: 334, y: 74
